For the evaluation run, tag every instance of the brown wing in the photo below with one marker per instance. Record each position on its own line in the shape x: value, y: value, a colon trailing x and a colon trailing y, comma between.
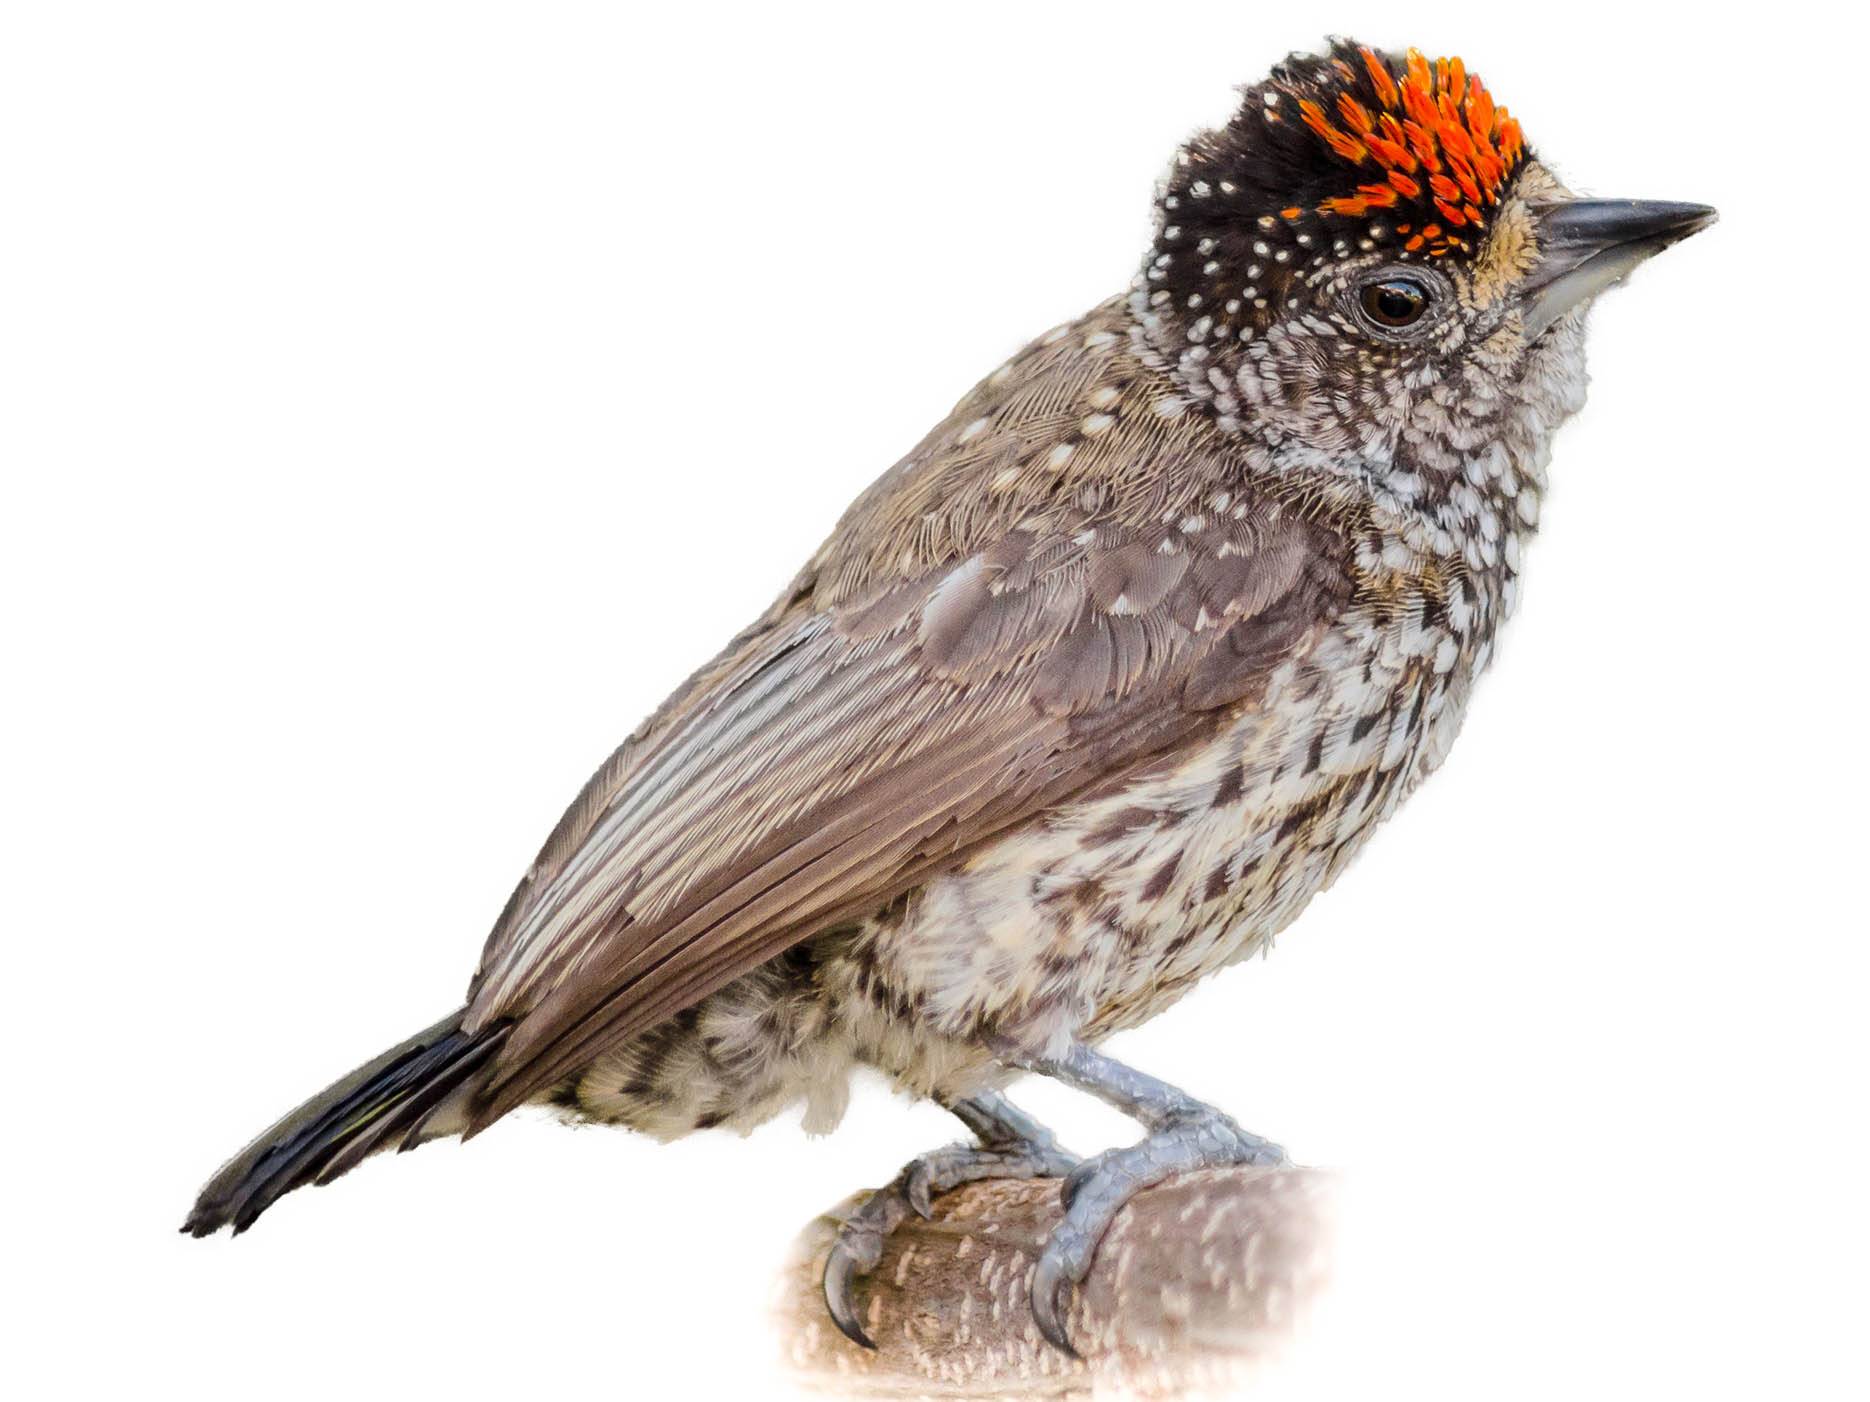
x: 980, y: 640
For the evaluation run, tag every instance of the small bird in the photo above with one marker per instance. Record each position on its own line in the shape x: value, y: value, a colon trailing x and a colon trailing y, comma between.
x: 1081, y: 701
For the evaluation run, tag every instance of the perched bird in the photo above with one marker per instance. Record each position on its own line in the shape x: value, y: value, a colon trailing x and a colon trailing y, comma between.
x: 1083, y: 700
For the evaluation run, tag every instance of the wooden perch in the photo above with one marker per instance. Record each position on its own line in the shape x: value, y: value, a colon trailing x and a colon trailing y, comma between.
x: 1200, y: 1280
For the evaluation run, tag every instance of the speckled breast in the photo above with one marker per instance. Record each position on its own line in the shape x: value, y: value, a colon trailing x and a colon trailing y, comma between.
x: 1101, y: 916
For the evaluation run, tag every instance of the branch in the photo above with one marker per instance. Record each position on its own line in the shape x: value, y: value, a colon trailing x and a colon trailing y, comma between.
x: 1200, y: 1279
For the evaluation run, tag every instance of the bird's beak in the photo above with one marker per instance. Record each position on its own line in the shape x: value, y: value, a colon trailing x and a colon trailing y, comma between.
x: 1586, y: 245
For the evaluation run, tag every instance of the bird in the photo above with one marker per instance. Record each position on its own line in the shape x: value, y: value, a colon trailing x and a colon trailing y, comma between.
x: 1082, y: 701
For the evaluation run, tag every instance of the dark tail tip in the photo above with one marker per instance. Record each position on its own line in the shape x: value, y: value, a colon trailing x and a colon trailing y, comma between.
x: 382, y: 1104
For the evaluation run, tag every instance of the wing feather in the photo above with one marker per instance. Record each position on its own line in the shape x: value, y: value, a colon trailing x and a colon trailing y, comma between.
x: 955, y: 663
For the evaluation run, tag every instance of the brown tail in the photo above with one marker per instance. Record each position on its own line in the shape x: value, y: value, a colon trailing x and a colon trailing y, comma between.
x: 386, y: 1103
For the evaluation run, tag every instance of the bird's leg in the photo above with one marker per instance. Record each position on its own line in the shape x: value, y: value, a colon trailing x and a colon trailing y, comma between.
x: 1008, y: 1144
x: 1183, y: 1134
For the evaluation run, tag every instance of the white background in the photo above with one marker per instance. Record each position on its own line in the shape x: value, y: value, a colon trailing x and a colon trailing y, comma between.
x: 399, y: 399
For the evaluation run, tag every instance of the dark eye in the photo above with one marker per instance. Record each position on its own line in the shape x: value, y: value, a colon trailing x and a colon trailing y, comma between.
x: 1395, y: 301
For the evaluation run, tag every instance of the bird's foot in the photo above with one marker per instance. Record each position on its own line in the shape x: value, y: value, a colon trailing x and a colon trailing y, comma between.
x: 859, y: 1244
x: 1097, y: 1189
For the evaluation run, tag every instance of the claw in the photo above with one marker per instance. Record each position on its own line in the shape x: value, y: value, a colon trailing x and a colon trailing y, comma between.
x: 1065, y: 1262
x: 841, y: 1267
x: 1050, y: 1281
x: 1095, y: 1191
x: 858, y: 1247
x: 916, y: 1190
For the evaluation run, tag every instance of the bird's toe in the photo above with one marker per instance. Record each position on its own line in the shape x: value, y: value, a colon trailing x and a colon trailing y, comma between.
x: 858, y: 1247
x: 1096, y: 1190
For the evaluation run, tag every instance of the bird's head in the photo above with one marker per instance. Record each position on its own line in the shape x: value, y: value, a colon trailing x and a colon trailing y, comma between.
x: 1369, y: 264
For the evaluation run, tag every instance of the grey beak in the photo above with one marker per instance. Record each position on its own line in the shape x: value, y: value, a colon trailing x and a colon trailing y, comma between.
x: 1586, y: 245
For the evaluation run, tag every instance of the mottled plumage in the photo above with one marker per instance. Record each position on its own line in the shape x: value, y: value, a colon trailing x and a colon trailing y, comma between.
x: 991, y: 638
x: 1085, y: 698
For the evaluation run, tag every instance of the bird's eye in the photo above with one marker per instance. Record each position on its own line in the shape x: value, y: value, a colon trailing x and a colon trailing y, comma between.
x: 1395, y: 301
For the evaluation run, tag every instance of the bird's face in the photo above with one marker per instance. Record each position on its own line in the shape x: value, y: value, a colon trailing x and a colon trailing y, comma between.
x: 1368, y: 271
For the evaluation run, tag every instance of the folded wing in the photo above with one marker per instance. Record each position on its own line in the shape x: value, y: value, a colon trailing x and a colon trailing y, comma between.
x: 862, y: 738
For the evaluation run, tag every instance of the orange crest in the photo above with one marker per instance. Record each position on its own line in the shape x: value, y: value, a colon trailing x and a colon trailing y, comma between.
x: 1435, y: 139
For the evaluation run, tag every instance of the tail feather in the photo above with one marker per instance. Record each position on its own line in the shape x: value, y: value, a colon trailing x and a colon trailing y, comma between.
x: 385, y: 1103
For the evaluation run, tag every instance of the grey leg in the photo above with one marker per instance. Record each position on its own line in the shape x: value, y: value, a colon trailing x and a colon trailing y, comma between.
x: 1009, y: 1144
x: 1183, y: 1135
